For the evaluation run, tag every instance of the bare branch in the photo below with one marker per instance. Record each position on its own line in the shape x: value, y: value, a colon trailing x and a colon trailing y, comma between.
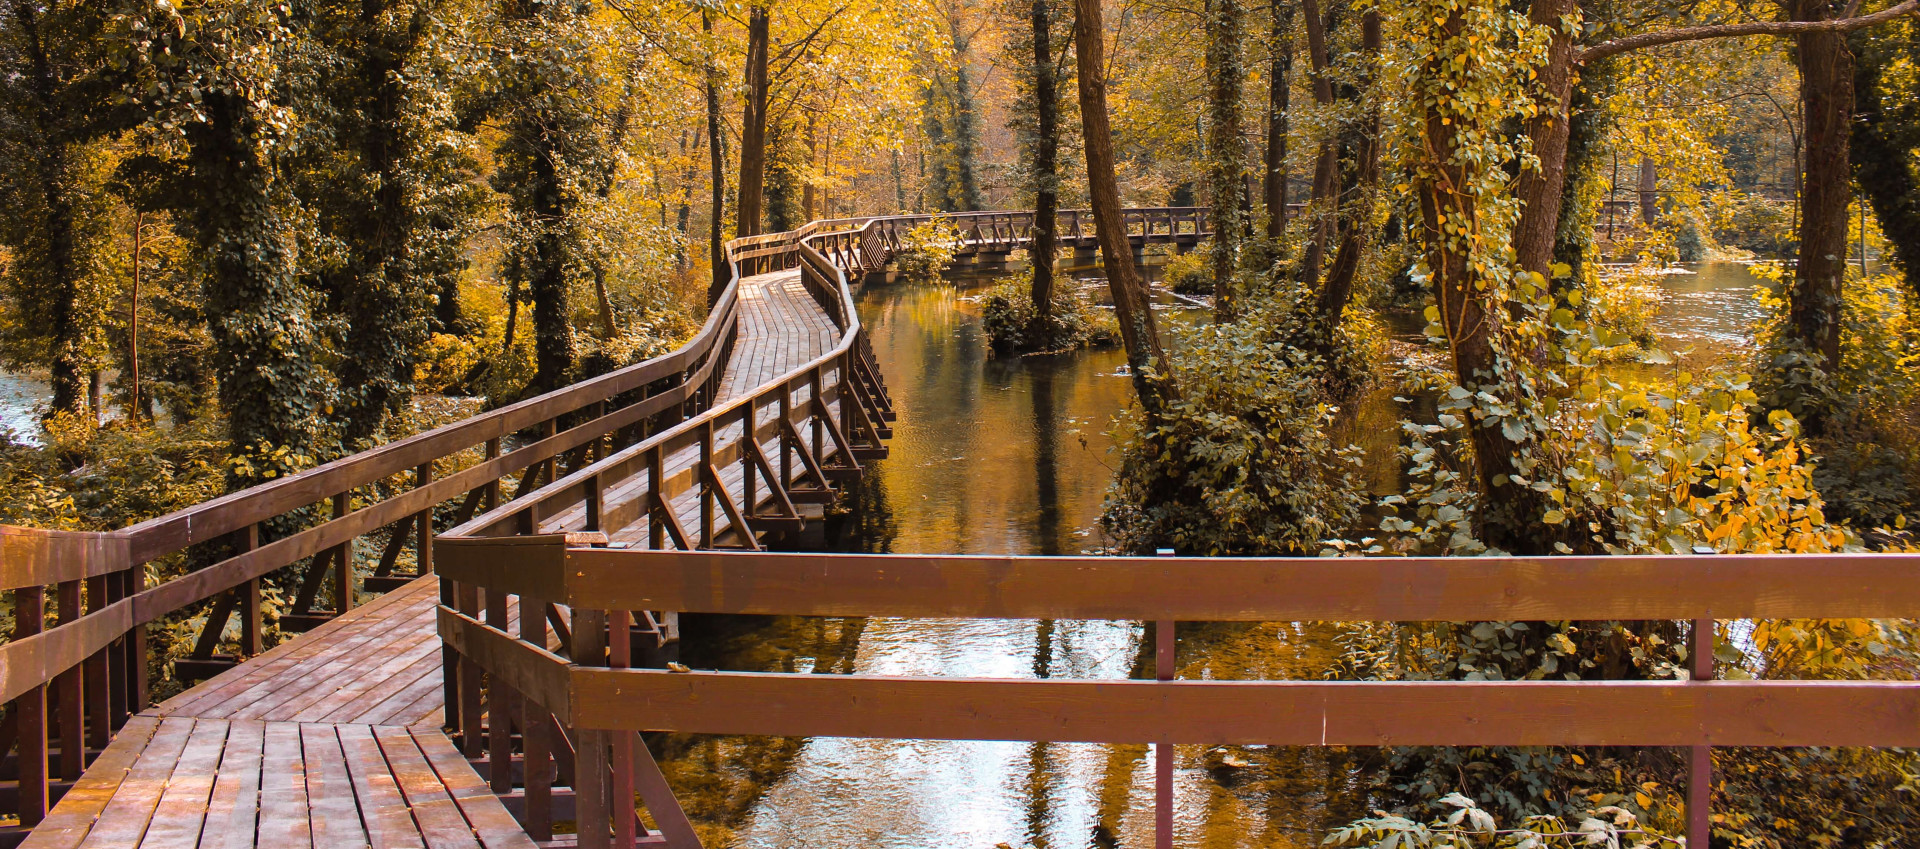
x: 1674, y: 36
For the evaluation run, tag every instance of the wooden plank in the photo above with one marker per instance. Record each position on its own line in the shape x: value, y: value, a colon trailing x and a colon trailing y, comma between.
x: 1285, y: 713
x: 183, y: 806
x: 382, y: 705
x: 283, y: 789
x: 233, y: 809
x: 382, y: 808
x: 1251, y: 589
x: 440, y: 822
x: 70, y: 821
x: 124, y: 819
x: 333, y: 814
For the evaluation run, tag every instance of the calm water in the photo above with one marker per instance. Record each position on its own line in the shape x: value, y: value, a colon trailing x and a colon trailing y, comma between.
x: 1010, y: 456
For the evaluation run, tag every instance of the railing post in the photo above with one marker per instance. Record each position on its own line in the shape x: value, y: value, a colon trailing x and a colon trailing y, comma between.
x: 1700, y: 758
x: 343, y: 561
x: 620, y: 656
x: 423, y: 553
x: 250, y: 621
x: 29, y: 614
x: 100, y: 684
x: 131, y: 665
x: 1163, y: 645
x: 500, y: 698
x: 536, y: 753
x: 73, y: 743
x: 593, y: 808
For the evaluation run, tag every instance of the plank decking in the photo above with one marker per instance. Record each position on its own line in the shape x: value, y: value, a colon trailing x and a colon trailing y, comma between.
x: 333, y: 739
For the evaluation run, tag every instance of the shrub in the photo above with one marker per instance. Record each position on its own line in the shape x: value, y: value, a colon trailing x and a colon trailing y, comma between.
x: 1754, y: 224
x: 926, y: 251
x: 1240, y: 463
x: 1188, y: 274
x: 1012, y: 325
x: 1627, y: 302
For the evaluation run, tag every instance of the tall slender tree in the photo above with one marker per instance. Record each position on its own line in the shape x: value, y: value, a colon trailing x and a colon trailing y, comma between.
x: 1041, y: 143
x: 753, y: 122
x: 1226, y: 164
x: 1146, y: 355
x: 1279, y: 81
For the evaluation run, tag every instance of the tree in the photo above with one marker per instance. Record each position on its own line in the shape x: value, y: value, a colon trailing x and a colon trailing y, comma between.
x: 552, y: 155
x: 396, y: 192
x: 1886, y: 140
x: 1041, y: 88
x: 55, y: 113
x: 1146, y: 356
x: 753, y: 122
x: 1279, y: 80
x: 1226, y: 167
x: 216, y: 76
x: 1826, y: 101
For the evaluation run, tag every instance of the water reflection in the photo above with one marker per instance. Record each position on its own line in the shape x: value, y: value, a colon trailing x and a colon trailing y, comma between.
x: 1011, y: 456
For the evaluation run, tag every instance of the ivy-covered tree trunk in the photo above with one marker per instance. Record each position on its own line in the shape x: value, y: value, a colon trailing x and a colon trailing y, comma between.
x: 1361, y: 141
x: 1226, y: 169
x: 1045, y: 151
x: 1541, y: 188
x: 1279, y: 78
x: 265, y: 353
x: 1826, y: 100
x: 1453, y: 182
x: 384, y: 297
x: 1146, y: 356
x: 1326, y: 169
x: 49, y: 228
x: 753, y: 123
x: 966, y: 125
x: 1886, y: 141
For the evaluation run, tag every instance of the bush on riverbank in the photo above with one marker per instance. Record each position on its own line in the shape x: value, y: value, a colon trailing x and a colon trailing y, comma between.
x: 926, y: 251
x: 1013, y: 326
x: 1242, y: 463
x: 1188, y: 274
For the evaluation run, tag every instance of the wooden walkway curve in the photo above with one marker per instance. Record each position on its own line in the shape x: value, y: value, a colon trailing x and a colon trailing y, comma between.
x: 350, y: 734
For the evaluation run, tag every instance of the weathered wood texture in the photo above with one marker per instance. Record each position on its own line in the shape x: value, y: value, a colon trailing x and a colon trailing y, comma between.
x: 183, y: 781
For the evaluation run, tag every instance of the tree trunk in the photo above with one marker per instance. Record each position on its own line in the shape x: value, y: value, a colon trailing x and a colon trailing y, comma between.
x: 1364, y: 142
x: 1046, y: 165
x: 1541, y: 189
x: 1279, y: 74
x: 1225, y: 167
x: 134, y: 407
x: 683, y: 216
x: 54, y: 257
x: 1146, y: 358
x: 1826, y: 95
x: 1510, y: 512
x: 966, y: 124
x: 753, y: 124
x: 1649, y: 198
x: 1886, y: 138
x: 717, y: 171
x: 1326, y: 171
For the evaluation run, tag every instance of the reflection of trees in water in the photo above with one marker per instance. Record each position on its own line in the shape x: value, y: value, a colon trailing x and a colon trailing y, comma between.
x: 1046, y: 460
x: 867, y: 525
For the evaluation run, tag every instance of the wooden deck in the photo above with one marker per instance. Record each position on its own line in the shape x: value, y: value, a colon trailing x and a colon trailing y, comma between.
x: 330, y: 740
x: 334, y: 738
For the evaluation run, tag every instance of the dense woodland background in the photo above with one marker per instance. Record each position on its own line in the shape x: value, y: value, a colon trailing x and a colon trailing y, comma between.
x: 240, y: 239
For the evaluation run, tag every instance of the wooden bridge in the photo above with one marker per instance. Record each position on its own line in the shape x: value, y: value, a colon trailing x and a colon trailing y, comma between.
x: 535, y: 560
x: 336, y: 737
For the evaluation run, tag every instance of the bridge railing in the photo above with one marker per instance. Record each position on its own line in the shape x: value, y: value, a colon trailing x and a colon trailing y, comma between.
x: 70, y: 682
x: 600, y: 703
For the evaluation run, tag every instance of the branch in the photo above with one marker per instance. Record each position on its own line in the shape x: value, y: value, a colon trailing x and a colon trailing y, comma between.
x: 1674, y: 36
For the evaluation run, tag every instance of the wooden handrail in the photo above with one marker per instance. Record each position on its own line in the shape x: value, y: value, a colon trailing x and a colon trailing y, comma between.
x: 679, y: 388
x: 604, y: 701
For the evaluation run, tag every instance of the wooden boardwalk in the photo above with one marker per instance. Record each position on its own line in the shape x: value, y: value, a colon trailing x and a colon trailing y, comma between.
x: 330, y: 740
x: 334, y: 738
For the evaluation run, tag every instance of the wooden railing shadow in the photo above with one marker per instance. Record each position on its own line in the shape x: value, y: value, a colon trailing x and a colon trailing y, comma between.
x: 600, y: 704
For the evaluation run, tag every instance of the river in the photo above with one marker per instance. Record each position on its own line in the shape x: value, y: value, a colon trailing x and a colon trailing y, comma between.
x: 1010, y: 456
